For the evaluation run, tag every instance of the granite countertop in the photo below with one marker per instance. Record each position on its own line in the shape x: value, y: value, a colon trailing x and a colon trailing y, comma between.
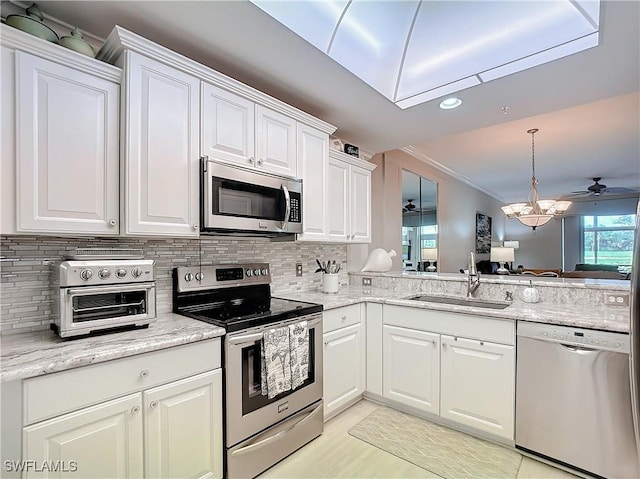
x: 605, y: 318
x: 33, y: 354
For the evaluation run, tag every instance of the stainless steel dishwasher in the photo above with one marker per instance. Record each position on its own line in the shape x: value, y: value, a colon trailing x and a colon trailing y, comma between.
x: 573, y: 400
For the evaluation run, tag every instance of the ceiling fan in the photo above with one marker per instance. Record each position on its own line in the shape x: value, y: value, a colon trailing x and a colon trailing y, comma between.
x: 598, y: 189
x: 408, y: 207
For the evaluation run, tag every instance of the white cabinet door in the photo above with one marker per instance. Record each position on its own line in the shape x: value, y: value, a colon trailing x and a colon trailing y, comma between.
x: 8, y: 142
x: 343, y: 363
x: 67, y: 149
x: 95, y: 442
x: 275, y: 142
x: 227, y: 126
x: 360, y: 205
x: 161, y: 183
x: 477, y: 386
x: 183, y: 427
x: 337, y: 201
x: 411, y: 369
x: 313, y: 162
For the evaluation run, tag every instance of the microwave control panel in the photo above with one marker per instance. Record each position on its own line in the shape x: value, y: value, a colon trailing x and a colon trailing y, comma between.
x: 295, y: 216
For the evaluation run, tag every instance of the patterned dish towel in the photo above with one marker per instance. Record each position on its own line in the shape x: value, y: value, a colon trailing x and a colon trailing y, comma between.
x: 299, y: 347
x: 276, y: 362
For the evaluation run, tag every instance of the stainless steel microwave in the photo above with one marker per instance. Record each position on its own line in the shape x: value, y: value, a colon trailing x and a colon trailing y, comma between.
x: 242, y: 201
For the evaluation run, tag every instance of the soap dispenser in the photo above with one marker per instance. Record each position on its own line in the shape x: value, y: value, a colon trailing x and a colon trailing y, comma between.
x: 530, y: 294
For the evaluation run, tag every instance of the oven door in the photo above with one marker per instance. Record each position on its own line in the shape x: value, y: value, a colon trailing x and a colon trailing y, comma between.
x: 240, y: 199
x: 87, y: 309
x: 248, y: 410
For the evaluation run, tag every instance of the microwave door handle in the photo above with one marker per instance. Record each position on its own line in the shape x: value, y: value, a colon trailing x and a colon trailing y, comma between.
x: 287, y: 211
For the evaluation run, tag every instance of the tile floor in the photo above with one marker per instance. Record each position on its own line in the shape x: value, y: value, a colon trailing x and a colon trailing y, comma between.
x: 336, y: 454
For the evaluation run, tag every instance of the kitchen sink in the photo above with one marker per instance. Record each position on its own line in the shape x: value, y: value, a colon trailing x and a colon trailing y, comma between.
x: 458, y: 301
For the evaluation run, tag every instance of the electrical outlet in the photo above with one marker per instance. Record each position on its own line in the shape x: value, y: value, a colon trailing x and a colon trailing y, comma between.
x: 366, y: 281
x: 616, y: 299
x: 298, y: 269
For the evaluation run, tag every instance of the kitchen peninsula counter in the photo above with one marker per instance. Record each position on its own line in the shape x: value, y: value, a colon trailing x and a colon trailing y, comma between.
x: 36, y: 353
x: 601, y: 317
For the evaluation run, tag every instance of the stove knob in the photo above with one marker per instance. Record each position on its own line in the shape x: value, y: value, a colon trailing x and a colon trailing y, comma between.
x: 86, y: 274
x: 104, y: 273
x: 248, y: 273
x: 265, y: 272
x: 256, y: 272
x: 136, y: 273
x: 188, y: 277
x: 199, y: 275
x: 121, y: 272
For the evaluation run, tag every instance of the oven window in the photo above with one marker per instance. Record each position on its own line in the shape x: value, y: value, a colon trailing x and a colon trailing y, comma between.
x: 234, y: 198
x: 252, y: 397
x: 108, y: 305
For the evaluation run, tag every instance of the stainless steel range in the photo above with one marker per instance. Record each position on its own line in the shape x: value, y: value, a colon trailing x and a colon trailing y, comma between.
x: 265, y: 420
x: 98, y: 294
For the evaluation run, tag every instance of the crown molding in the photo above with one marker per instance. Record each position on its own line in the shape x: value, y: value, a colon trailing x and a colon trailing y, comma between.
x: 418, y: 154
x: 121, y: 39
x: 18, y: 40
x: 352, y: 160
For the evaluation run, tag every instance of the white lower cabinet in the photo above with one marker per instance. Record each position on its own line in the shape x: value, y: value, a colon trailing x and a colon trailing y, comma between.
x: 99, y: 441
x: 343, y: 358
x: 477, y: 384
x: 411, y: 373
x: 430, y: 366
x: 160, y: 428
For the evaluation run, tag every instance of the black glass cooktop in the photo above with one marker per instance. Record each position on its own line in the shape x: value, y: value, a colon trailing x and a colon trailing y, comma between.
x: 241, y: 308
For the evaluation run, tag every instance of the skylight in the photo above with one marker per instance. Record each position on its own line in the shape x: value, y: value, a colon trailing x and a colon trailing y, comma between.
x: 415, y: 51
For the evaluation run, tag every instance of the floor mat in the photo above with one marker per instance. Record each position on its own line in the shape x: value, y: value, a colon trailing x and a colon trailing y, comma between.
x: 438, y: 449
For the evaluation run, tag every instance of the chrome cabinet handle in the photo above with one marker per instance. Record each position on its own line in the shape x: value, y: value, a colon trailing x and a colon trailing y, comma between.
x: 153, y: 404
x: 260, y: 161
x: 433, y: 342
x: 112, y: 222
x: 444, y: 345
x: 195, y: 227
x: 251, y: 160
x: 344, y: 318
x: 135, y: 409
x: 326, y: 343
x: 144, y: 373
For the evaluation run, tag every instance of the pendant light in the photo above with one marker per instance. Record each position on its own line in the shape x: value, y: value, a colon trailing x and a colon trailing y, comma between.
x: 535, y: 212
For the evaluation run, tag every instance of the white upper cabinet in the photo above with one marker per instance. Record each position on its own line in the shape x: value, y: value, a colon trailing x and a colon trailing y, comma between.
x: 227, y: 126
x: 67, y: 149
x: 236, y: 129
x: 313, y: 162
x: 275, y: 142
x: 348, y: 199
x: 161, y: 163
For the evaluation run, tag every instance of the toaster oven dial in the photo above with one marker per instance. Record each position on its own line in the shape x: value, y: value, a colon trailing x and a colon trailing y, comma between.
x: 136, y: 273
x: 199, y: 275
x: 104, y: 273
x: 188, y: 277
x: 121, y: 272
x: 86, y: 274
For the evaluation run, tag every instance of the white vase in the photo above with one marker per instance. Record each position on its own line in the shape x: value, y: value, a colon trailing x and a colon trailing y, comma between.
x: 379, y: 261
x: 330, y: 282
x: 530, y: 294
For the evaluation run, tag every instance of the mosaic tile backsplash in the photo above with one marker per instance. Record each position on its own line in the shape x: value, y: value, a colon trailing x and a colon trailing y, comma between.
x: 26, y: 289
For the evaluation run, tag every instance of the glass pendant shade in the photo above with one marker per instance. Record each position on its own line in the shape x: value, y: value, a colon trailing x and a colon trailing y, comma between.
x: 535, y: 212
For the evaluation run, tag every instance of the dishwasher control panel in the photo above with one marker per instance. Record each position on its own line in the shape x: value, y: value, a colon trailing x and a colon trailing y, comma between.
x: 586, y: 338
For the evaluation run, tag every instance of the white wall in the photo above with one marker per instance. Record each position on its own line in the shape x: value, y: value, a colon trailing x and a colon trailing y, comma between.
x: 457, y: 207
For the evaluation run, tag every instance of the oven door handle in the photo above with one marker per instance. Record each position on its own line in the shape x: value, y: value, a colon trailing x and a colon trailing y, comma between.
x: 245, y: 338
x: 287, y: 210
x: 278, y: 435
x: 88, y: 290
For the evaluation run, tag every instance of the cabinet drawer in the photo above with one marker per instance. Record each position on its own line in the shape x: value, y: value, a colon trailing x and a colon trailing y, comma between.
x: 340, y: 317
x: 66, y: 391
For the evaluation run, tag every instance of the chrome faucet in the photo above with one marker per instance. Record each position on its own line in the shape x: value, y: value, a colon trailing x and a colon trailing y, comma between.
x: 473, y: 278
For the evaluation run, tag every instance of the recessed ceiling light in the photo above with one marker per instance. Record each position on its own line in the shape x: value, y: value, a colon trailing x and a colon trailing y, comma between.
x: 450, y: 103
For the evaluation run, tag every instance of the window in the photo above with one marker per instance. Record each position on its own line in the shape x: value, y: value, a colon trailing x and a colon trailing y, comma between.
x: 608, y: 239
